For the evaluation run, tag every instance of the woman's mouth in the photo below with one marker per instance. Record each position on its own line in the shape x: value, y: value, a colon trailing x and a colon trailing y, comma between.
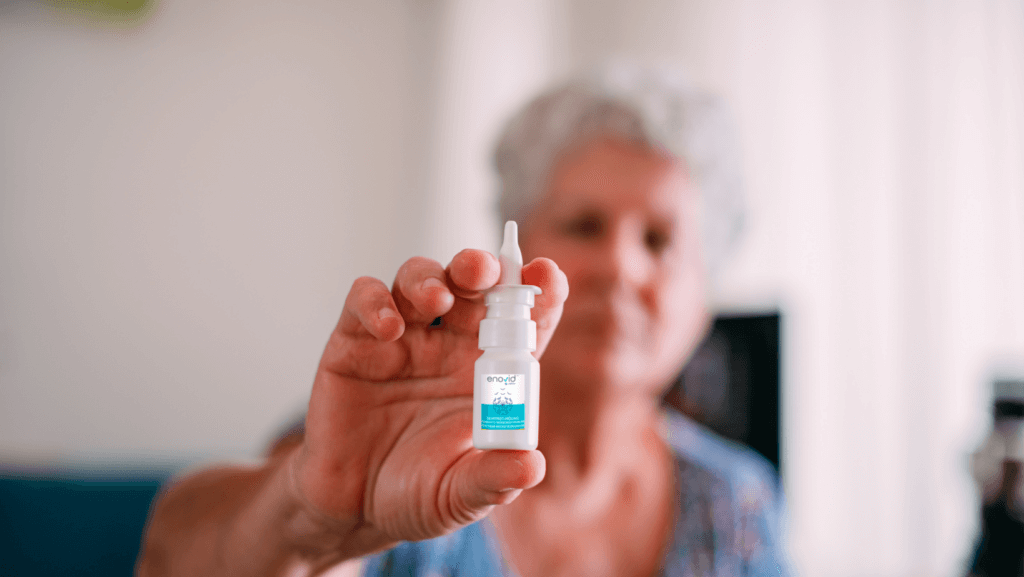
x: 605, y: 324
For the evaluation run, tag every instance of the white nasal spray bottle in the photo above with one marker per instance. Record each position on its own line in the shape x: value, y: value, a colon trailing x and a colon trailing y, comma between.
x: 507, y: 377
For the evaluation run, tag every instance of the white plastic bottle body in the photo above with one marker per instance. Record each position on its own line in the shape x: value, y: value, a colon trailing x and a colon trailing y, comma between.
x: 497, y: 396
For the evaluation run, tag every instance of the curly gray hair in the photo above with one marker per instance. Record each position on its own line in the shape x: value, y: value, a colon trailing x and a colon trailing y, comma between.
x: 650, y: 108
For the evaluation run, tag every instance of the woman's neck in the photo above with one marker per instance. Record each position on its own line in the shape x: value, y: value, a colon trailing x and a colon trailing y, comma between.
x: 595, y: 440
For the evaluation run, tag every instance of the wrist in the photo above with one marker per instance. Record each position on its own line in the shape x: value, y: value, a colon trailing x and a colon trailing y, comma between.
x: 319, y: 539
x: 308, y: 518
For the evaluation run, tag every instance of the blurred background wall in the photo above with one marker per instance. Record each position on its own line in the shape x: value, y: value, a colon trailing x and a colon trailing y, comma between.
x: 185, y: 200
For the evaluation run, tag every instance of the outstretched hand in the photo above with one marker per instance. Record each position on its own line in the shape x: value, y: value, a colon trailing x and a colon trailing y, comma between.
x: 388, y: 449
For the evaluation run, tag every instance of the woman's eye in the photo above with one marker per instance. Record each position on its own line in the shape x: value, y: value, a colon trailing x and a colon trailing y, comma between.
x: 656, y: 241
x: 584, y: 226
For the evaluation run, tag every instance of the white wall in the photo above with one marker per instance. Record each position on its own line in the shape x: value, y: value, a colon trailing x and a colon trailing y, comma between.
x: 183, y: 207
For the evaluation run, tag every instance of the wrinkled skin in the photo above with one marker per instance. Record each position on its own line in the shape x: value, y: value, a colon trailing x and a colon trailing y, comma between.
x: 388, y: 449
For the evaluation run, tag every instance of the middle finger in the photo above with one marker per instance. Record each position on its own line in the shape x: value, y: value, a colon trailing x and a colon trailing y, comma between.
x: 421, y: 291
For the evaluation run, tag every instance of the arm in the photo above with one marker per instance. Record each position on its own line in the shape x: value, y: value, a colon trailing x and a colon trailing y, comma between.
x: 242, y: 521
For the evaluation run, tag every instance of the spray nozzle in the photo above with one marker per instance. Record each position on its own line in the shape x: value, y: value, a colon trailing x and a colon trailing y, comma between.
x: 510, y: 257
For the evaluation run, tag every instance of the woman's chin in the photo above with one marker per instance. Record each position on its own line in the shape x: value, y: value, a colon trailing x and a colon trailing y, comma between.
x: 596, y: 366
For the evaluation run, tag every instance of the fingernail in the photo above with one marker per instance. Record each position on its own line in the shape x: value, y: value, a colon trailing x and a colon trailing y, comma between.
x: 386, y: 313
x: 432, y: 283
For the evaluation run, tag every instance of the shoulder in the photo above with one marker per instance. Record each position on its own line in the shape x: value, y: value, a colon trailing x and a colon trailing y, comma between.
x: 730, y: 503
x: 746, y: 474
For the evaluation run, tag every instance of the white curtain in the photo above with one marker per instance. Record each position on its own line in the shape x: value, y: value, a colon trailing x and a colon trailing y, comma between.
x: 883, y: 148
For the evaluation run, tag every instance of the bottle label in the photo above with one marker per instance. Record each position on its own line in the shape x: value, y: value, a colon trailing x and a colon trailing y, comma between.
x: 504, y: 405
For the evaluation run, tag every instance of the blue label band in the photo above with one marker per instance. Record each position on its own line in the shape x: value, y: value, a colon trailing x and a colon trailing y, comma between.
x: 502, y: 417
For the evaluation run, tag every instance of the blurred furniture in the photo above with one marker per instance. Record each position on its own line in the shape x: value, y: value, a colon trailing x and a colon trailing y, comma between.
x: 73, y: 523
x: 731, y: 384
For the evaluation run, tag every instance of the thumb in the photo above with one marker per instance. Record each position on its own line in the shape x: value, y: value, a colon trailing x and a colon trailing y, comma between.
x: 488, y: 478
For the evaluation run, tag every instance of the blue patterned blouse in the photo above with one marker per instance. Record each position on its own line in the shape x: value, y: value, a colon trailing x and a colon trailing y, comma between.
x: 727, y: 524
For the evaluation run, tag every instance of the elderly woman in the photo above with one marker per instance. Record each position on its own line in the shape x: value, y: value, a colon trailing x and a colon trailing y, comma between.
x: 609, y: 180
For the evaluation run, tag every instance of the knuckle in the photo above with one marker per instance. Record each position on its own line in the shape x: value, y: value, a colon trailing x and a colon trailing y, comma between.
x: 366, y: 292
x: 421, y: 263
x: 471, y: 252
x: 364, y: 283
x: 472, y: 258
x: 475, y: 269
x: 416, y: 268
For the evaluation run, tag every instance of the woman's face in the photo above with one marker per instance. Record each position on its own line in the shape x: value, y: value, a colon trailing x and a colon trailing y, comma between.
x: 621, y: 222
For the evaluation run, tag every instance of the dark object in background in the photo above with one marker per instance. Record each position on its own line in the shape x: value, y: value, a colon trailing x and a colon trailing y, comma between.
x: 997, y: 465
x: 731, y: 384
x: 62, y: 525
x: 1001, y: 548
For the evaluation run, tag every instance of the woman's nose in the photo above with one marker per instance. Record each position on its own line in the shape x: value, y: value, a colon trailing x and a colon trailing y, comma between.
x: 625, y: 258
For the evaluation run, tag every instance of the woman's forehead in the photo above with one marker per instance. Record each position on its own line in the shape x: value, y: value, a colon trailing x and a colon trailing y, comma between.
x: 610, y: 175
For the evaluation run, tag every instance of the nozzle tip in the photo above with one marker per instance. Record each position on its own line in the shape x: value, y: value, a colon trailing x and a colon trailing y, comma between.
x: 511, y: 233
x: 510, y: 257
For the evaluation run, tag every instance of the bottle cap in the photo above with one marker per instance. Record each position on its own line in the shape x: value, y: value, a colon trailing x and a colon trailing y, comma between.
x: 508, y: 323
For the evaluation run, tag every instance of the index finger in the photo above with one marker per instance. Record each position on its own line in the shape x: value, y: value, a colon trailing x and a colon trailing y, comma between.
x: 547, y: 310
x: 471, y: 272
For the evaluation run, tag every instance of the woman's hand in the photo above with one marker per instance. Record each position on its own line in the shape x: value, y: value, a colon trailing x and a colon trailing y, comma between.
x: 388, y: 452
